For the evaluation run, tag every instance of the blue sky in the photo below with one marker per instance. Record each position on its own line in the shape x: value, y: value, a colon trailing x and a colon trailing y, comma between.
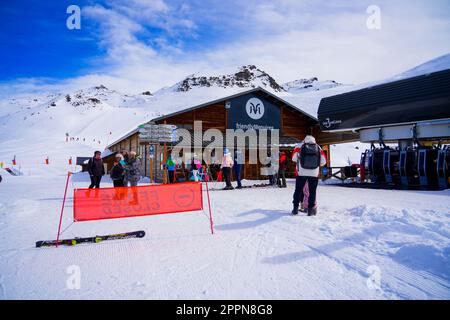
x: 131, y: 45
x: 36, y: 43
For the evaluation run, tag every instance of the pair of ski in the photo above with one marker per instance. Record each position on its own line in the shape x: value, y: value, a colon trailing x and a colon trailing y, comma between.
x: 96, y: 239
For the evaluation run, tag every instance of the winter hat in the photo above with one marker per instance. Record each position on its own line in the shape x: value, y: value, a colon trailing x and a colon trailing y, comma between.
x: 119, y: 157
x: 226, y: 151
x: 309, y: 139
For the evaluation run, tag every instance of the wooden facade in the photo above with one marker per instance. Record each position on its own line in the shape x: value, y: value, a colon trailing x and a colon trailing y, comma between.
x: 294, y: 126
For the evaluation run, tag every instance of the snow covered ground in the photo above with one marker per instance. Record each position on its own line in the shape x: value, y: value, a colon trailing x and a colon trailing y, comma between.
x: 364, y: 244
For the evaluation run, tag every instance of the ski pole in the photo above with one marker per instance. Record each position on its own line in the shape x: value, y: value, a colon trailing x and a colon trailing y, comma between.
x: 209, y: 206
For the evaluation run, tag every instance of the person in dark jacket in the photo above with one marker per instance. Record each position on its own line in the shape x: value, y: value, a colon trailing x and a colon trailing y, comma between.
x: 118, y: 172
x: 96, y: 169
x: 132, y: 170
x: 283, y: 166
x: 237, y: 168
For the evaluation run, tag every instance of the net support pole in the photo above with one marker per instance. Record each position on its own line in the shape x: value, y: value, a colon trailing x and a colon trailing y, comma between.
x: 209, y: 206
x: 62, y: 209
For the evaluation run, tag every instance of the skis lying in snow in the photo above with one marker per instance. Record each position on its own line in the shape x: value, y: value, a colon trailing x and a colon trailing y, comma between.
x: 96, y: 239
x: 10, y: 171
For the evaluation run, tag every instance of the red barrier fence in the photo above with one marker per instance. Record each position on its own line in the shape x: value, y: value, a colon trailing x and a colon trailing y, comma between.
x: 123, y: 202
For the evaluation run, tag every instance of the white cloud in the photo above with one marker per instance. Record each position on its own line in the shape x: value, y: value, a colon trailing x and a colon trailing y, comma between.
x: 290, y: 39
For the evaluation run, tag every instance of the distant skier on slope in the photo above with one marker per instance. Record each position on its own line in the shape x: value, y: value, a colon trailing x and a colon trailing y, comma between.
x: 96, y: 170
x: 309, y: 157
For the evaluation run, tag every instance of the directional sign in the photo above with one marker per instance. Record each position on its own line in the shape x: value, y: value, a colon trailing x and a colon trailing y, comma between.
x: 154, y: 133
x: 151, y: 152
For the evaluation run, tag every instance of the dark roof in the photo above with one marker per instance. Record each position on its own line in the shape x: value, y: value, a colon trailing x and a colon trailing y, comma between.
x: 424, y: 97
x: 81, y: 160
x: 267, y: 95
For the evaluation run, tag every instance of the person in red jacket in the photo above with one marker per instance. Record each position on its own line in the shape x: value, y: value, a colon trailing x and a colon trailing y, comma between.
x: 283, y: 165
x: 309, y: 157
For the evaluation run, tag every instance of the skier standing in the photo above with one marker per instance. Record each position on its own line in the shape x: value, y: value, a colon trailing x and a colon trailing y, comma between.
x: 283, y: 165
x: 309, y: 157
x: 238, y: 162
x: 96, y: 170
x: 117, y: 172
x: 132, y: 170
x: 227, y: 164
x: 170, y: 164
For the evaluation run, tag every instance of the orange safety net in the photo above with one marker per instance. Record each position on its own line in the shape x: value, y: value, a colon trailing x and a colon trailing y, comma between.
x: 122, y: 202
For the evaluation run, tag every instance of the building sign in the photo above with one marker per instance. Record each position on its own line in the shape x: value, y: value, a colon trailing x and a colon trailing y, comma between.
x: 255, y: 108
x: 151, y: 151
x: 154, y: 133
x: 253, y: 112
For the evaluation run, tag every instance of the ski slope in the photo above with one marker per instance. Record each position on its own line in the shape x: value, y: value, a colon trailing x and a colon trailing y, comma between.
x: 258, y: 251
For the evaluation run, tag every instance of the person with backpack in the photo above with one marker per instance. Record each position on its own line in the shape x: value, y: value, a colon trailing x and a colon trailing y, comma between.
x: 96, y: 170
x: 309, y: 157
x: 118, y: 172
x: 132, y: 170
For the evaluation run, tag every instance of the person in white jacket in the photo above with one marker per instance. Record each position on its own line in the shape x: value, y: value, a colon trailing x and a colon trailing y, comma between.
x: 227, y: 164
x: 309, y: 157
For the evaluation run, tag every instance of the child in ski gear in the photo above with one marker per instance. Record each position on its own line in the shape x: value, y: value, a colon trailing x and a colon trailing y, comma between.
x: 283, y: 165
x: 237, y: 168
x: 96, y: 170
x: 227, y: 164
x: 196, y: 166
x: 309, y: 157
x: 118, y: 172
x: 132, y: 170
x: 272, y: 168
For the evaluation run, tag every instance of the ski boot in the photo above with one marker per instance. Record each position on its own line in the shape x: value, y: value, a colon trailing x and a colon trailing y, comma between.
x: 295, y: 211
x: 302, y: 208
x: 312, y: 211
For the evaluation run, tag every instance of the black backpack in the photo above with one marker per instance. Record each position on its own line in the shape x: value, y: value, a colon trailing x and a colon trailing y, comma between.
x: 309, y: 156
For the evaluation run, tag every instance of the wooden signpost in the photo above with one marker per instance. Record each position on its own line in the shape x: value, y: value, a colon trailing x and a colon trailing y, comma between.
x: 153, y: 135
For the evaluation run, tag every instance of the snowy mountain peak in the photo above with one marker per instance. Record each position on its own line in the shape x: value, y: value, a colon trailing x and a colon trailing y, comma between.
x: 248, y: 76
x: 312, y: 84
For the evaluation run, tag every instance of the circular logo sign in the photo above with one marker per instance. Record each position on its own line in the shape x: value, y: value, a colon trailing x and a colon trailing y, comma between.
x: 255, y: 108
x: 184, y: 197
